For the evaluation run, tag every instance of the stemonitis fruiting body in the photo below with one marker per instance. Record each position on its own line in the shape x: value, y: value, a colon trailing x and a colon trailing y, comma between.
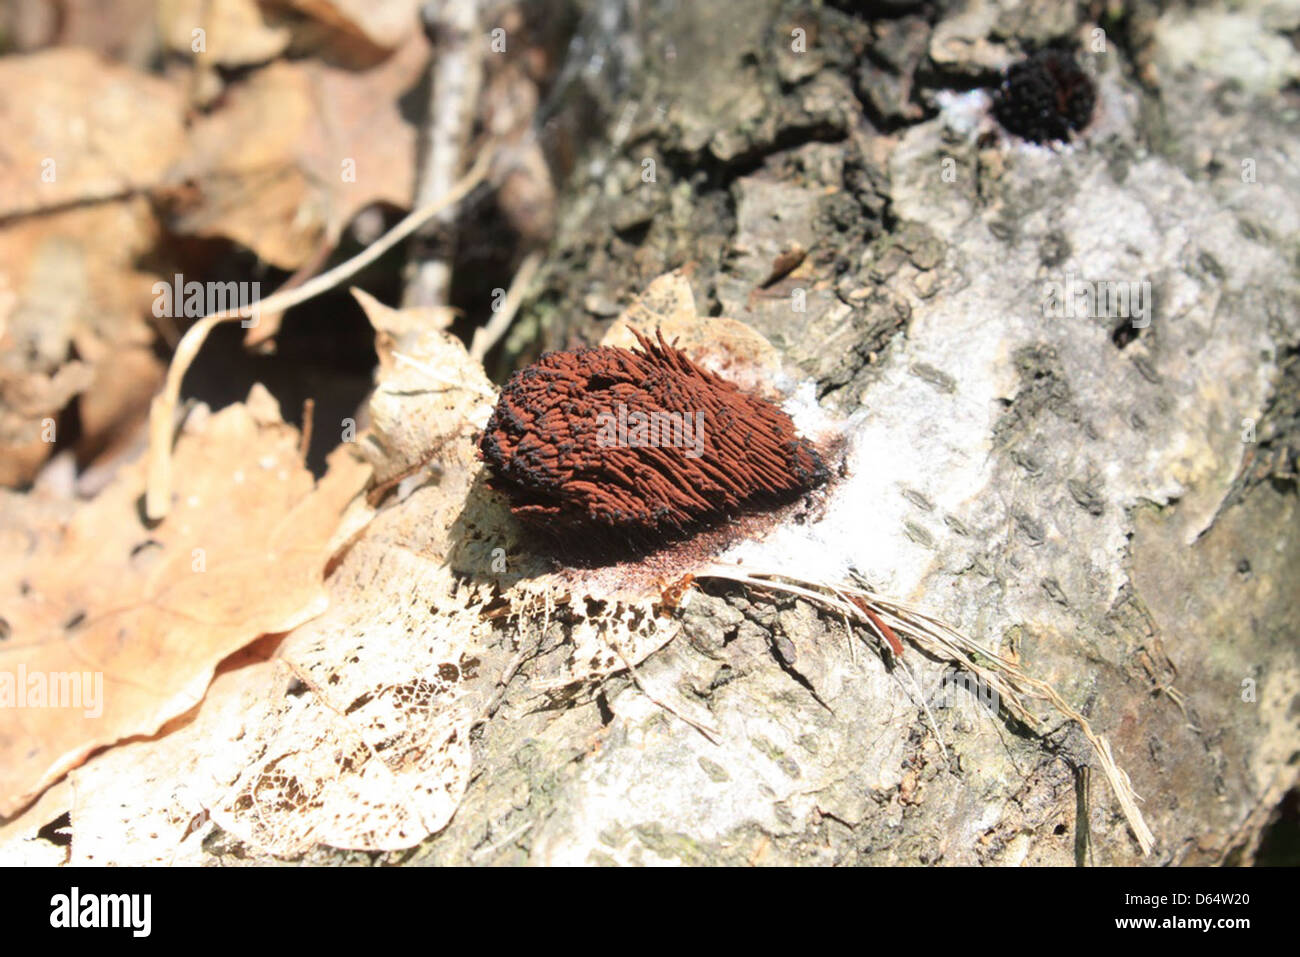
x: 1045, y: 96
x: 641, y: 442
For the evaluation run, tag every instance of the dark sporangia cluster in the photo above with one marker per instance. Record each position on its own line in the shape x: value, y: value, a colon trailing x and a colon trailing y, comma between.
x: 642, y: 442
x: 1045, y: 96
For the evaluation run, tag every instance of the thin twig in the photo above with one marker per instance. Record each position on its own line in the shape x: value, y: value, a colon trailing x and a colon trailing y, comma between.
x: 268, y: 323
x: 455, y: 77
x: 710, y: 733
x: 526, y: 650
x: 485, y: 852
x: 304, y: 437
x: 485, y: 337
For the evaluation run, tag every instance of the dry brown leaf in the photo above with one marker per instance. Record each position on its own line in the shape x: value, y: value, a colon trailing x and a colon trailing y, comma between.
x: 79, y: 127
x: 356, y: 735
x: 235, y: 32
x: 276, y: 769
x: 296, y: 151
x: 385, y: 24
x: 115, y: 406
x: 123, y: 30
x: 30, y: 402
x: 147, y: 614
x: 73, y: 289
x: 80, y: 130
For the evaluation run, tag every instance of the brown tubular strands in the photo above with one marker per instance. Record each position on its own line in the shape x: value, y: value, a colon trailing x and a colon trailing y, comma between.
x: 641, y: 442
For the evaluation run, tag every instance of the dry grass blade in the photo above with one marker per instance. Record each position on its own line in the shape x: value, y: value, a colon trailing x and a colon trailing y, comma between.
x: 1013, y: 687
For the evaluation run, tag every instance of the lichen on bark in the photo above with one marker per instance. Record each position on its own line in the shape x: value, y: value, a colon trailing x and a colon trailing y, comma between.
x: 1075, y: 492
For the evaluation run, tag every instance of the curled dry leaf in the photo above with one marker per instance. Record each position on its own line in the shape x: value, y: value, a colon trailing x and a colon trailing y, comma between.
x: 70, y: 288
x: 384, y: 24
x: 428, y: 392
x: 234, y: 32
x: 125, y: 624
x: 79, y: 128
x: 725, y: 346
x: 296, y: 151
x: 123, y: 30
x: 356, y: 734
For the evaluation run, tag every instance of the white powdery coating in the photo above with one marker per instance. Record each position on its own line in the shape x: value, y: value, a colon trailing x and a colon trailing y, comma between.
x: 964, y: 113
x: 911, y: 435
